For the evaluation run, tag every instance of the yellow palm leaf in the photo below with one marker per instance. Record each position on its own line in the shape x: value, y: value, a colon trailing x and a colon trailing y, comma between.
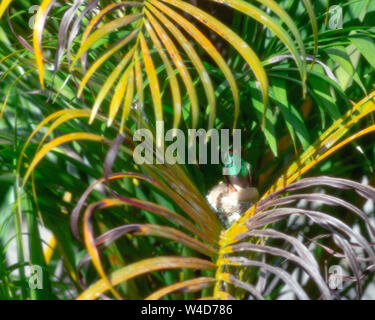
x: 3, y: 5
x: 55, y: 143
x: 40, y: 20
x: 180, y: 66
x: 110, y: 81
x: 194, y: 58
x: 226, y: 33
x: 142, y: 267
x: 153, y: 83
x: 175, y: 88
x: 206, y: 44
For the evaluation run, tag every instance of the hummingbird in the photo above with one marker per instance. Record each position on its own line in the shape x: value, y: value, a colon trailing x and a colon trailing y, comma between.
x: 232, y: 196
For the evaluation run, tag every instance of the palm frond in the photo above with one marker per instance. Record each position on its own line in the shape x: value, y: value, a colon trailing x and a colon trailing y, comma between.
x: 149, y: 20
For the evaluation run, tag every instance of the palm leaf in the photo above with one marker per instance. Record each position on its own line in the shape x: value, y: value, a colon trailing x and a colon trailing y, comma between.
x: 142, y: 18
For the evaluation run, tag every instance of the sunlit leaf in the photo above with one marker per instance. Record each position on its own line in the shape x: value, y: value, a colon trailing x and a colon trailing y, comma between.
x: 55, y: 143
x: 40, y: 21
x: 3, y: 5
x: 145, y: 266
